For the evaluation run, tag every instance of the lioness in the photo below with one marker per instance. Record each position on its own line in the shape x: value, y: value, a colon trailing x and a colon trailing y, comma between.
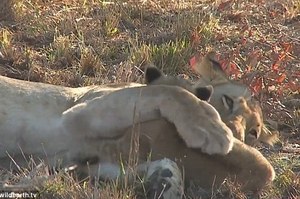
x: 65, y: 126
x: 240, y: 114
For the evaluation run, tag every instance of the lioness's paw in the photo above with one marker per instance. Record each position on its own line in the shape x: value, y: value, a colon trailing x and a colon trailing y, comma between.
x: 217, y: 139
x: 219, y: 142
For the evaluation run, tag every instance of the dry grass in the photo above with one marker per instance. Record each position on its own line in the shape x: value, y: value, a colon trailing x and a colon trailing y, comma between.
x: 78, y: 42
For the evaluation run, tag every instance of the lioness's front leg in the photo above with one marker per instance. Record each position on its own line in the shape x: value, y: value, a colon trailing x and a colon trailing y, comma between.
x: 197, y: 122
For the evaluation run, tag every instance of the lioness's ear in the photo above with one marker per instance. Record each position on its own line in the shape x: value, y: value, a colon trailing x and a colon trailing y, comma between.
x: 210, y: 69
x: 152, y: 73
x: 228, y: 102
x: 204, y: 93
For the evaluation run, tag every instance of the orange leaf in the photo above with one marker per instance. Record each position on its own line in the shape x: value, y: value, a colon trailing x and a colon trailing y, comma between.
x: 232, y: 69
x: 275, y: 66
x: 287, y: 46
x: 293, y: 86
x: 193, y: 62
x: 224, y: 65
x: 258, y: 84
x: 281, y: 78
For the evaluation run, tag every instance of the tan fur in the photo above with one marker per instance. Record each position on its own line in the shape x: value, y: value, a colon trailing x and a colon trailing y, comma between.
x: 247, y: 114
x: 87, y: 125
x: 243, y: 163
x: 50, y: 122
x: 209, y: 69
x: 158, y: 139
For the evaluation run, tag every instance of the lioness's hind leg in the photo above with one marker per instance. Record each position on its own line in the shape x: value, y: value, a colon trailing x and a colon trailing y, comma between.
x: 163, y: 180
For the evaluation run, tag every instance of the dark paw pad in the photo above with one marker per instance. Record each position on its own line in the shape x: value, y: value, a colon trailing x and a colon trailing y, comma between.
x: 166, y: 173
x: 158, y: 183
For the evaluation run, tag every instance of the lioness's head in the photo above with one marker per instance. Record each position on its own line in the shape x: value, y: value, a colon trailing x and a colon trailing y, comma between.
x: 234, y: 103
x: 232, y: 100
x: 153, y: 76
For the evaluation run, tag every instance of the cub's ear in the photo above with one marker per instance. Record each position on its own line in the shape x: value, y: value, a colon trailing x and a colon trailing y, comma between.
x: 151, y: 74
x: 228, y: 102
x: 204, y: 93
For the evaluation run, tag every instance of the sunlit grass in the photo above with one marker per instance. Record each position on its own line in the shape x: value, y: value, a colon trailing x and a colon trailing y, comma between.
x: 81, y: 42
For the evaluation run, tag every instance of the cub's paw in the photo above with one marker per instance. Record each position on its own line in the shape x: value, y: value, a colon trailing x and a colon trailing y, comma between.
x: 163, y: 180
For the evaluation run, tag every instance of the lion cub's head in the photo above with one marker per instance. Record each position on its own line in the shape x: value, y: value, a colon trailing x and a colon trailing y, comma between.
x: 244, y: 117
x: 153, y: 76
